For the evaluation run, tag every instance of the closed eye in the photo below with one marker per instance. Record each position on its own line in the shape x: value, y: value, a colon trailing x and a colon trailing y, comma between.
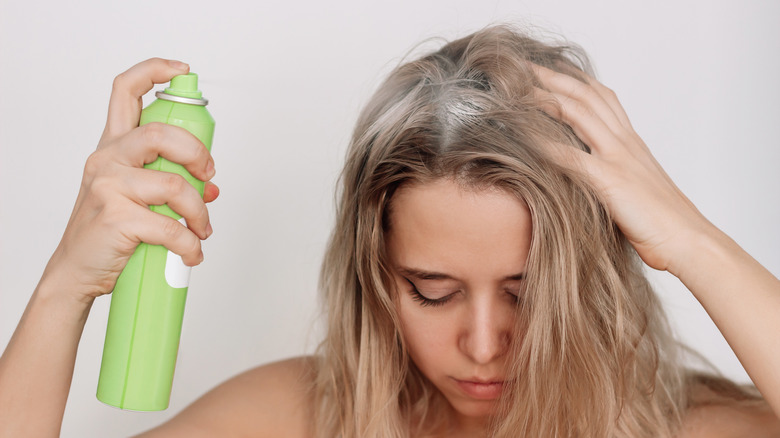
x: 425, y: 301
x: 515, y: 289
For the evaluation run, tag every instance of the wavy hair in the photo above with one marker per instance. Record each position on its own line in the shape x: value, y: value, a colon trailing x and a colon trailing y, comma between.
x: 596, y: 358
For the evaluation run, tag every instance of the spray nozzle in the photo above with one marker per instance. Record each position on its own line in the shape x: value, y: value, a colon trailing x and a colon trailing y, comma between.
x: 185, y: 86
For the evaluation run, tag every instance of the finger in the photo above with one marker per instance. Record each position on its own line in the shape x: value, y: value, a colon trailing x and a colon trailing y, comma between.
x: 124, y: 108
x: 157, y: 229
x: 144, y: 144
x: 595, y: 134
x: 585, y: 123
x: 210, y: 192
x: 568, y: 156
x: 580, y: 92
x: 579, y: 162
x: 610, y: 97
x: 152, y: 187
x: 579, y: 111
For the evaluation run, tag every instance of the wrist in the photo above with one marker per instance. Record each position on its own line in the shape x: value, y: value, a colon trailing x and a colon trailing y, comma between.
x: 701, y: 251
x: 58, y: 288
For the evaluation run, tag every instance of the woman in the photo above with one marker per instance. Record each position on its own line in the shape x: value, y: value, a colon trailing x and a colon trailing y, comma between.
x: 483, y: 277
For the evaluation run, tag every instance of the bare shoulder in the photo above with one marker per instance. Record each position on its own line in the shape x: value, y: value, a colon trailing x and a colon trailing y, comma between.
x: 724, y: 420
x: 270, y: 400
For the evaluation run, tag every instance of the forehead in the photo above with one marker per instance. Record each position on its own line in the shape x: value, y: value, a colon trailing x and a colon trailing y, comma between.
x: 443, y: 226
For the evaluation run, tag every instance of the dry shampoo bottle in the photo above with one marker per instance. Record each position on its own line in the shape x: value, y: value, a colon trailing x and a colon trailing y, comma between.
x: 147, y: 305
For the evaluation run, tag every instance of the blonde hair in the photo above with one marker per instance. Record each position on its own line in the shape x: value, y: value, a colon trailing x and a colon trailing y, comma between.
x: 596, y: 358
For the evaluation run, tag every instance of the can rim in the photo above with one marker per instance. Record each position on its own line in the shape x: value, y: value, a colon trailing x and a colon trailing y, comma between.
x: 165, y: 96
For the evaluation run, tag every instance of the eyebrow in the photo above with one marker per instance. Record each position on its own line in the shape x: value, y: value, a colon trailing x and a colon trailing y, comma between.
x: 429, y: 275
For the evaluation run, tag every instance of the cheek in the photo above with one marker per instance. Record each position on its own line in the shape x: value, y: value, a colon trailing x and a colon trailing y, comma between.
x: 430, y: 334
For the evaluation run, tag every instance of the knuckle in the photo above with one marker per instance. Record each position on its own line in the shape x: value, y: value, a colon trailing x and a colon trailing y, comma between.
x: 554, y: 108
x: 175, y: 184
x: 172, y: 229
x: 204, y: 213
x: 102, y: 187
x: 193, y: 152
x: 94, y: 164
x: 201, y: 154
x: 120, y: 82
x: 153, y: 133
x: 194, y: 247
x: 576, y: 90
x: 587, y: 93
x: 201, y: 217
x: 583, y: 109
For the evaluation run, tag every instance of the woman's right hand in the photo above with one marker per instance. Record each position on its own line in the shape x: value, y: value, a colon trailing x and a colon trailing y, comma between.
x: 112, y: 216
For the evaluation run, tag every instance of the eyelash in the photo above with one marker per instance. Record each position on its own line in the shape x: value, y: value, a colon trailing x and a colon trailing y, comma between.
x: 423, y: 300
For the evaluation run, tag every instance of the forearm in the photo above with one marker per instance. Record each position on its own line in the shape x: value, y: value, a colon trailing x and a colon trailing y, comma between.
x: 743, y: 299
x: 37, y: 366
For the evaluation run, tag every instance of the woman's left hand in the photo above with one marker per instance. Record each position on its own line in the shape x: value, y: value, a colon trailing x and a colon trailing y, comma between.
x: 656, y: 217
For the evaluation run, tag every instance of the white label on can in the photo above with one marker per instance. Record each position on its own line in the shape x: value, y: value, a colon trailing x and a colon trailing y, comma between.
x: 177, y: 274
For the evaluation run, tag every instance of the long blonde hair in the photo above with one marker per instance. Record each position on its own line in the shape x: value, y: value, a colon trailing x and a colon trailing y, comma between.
x: 596, y: 358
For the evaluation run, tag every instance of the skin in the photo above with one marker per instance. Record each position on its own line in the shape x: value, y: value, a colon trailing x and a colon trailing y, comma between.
x: 110, y: 218
x: 477, y: 243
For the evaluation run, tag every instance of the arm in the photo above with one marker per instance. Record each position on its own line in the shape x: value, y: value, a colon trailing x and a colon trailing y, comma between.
x: 743, y: 299
x: 110, y: 218
x: 37, y: 365
x: 666, y: 229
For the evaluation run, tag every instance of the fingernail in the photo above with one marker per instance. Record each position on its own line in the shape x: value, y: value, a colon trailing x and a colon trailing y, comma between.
x: 209, y: 230
x: 178, y: 65
x: 210, y: 169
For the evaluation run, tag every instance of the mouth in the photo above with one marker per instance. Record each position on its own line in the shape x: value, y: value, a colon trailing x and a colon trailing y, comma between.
x: 481, y: 389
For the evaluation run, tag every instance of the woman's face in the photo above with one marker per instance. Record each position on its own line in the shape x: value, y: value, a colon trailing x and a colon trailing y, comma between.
x: 459, y: 257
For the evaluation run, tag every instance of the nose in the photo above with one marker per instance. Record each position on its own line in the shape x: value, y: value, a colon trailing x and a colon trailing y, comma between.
x: 486, y: 330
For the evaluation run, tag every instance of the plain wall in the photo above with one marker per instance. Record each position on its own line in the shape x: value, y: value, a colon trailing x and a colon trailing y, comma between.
x: 285, y: 81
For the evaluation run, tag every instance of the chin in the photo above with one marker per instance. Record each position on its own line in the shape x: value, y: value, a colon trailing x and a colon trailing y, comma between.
x: 474, y: 408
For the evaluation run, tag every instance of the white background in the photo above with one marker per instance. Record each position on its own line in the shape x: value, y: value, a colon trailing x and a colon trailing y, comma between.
x: 286, y: 79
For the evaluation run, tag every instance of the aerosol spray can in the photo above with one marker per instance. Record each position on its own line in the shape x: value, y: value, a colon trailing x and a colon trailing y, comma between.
x: 147, y: 305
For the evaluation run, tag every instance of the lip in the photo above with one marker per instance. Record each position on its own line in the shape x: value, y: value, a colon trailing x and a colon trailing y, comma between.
x: 480, y: 389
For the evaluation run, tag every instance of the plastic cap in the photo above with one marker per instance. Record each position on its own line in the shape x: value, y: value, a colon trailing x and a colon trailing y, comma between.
x: 185, y: 86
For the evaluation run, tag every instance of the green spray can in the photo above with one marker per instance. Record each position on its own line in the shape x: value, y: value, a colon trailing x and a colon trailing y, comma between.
x: 147, y: 305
